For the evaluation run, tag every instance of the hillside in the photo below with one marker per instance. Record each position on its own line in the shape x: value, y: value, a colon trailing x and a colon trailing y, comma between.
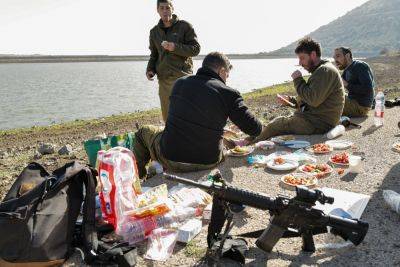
x: 367, y: 29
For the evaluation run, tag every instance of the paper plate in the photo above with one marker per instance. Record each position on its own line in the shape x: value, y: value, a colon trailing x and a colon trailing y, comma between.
x: 232, y: 153
x: 288, y: 165
x: 266, y: 145
x: 320, y: 152
x: 296, y: 144
x: 282, y: 138
x: 339, y: 144
x: 396, y: 147
x: 313, y: 181
x: 337, y: 163
x: 317, y: 174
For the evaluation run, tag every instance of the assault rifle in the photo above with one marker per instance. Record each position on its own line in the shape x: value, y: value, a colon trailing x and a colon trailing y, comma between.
x: 290, y: 217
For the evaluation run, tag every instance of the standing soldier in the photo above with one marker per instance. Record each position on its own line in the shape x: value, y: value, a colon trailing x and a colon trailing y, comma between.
x: 173, y: 43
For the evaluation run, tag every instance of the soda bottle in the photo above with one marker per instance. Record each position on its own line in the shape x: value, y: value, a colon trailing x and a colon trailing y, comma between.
x: 379, y: 108
x: 136, y: 230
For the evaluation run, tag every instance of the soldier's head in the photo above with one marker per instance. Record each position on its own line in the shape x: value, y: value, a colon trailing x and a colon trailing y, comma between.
x: 165, y: 9
x: 343, y: 57
x: 309, y: 53
x: 219, y: 63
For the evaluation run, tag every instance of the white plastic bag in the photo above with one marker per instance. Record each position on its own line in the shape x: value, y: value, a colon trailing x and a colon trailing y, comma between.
x: 161, y: 244
x: 392, y: 199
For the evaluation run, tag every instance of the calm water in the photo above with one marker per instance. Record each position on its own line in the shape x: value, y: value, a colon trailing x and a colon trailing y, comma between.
x: 46, y: 93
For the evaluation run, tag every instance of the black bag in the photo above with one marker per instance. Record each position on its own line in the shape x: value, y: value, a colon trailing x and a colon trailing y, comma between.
x: 39, y: 213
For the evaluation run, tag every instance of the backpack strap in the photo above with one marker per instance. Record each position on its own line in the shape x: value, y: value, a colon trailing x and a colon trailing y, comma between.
x: 89, y: 234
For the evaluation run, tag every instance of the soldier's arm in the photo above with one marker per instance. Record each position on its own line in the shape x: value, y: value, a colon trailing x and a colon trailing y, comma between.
x: 191, y: 47
x: 315, y: 91
x: 151, y: 65
x: 243, y: 118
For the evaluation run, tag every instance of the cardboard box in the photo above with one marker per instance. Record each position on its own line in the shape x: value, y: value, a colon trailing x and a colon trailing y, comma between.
x: 189, y: 230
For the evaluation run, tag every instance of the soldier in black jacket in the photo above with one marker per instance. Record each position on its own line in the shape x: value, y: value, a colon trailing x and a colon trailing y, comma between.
x: 200, y: 107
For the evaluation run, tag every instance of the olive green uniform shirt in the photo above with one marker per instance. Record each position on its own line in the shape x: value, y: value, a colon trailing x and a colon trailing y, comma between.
x: 322, y: 96
x: 175, y: 64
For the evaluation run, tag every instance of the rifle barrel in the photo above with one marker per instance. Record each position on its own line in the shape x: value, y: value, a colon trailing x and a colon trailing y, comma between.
x: 232, y: 194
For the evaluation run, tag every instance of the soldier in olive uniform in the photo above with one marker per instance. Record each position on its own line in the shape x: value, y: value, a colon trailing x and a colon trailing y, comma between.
x: 173, y: 43
x: 319, y: 101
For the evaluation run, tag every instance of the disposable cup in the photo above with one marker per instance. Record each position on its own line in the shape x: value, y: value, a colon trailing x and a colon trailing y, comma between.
x: 355, y: 164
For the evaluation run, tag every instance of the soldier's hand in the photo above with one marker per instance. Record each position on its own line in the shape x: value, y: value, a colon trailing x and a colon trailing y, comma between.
x: 296, y: 74
x: 345, y: 83
x: 169, y: 46
x: 150, y: 75
x: 284, y: 100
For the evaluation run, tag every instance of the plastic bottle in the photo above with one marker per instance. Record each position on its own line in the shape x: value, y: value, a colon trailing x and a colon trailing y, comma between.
x: 392, y: 199
x: 335, y: 132
x: 136, y: 230
x: 379, y: 108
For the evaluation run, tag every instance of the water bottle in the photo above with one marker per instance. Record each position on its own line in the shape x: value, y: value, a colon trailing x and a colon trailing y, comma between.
x: 379, y: 108
x: 136, y: 230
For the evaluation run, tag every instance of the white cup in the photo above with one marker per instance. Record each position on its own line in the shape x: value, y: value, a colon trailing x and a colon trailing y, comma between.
x: 335, y: 132
x: 355, y: 164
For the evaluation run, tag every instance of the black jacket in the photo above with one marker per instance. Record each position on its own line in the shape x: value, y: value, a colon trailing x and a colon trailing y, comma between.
x: 199, y: 108
x: 360, y: 82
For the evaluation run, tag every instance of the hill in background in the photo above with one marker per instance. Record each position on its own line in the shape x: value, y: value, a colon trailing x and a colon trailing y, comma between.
x: 367, y: 29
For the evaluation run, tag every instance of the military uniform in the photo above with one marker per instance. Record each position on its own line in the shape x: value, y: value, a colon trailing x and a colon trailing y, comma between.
x: 192, y: 139
x: 320, y: 104
x: 170, y: 65
x: 147, y: 147
x: 353, y: 109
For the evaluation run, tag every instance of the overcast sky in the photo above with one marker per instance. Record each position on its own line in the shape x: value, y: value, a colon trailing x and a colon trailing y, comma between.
x: 121, y: 27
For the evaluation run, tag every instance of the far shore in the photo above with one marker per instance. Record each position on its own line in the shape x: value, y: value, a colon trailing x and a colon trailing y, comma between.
x: 106, y: 58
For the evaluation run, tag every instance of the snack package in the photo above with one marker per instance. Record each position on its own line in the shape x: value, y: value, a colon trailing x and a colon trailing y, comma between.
x: 190, y: 197
x: 152, y: 202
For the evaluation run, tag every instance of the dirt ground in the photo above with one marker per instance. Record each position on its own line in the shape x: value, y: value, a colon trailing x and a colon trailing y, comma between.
x: 382, y: 171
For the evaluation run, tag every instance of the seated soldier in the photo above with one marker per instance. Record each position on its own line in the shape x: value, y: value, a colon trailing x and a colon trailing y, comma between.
x: 200, y: 107
x: 358, y: 80
x: 320, y: 99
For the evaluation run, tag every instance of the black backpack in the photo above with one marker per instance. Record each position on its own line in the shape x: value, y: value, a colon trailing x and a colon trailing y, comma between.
x: 38, y: 220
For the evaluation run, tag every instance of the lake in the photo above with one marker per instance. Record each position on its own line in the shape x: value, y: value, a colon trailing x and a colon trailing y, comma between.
x: 46, y: 93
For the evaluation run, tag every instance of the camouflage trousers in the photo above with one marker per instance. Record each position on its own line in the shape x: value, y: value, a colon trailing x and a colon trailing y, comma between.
x: 294, y: 124
x: 164, y: 92
x: 353, y: 109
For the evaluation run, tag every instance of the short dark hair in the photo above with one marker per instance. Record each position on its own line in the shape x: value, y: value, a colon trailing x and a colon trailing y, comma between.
x: 307, y: 45
x: 164, y: 1
x: 216, y: 60
x: 345, y: 51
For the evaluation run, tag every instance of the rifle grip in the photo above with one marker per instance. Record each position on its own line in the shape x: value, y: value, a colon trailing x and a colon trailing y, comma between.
x: 270, y: 237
